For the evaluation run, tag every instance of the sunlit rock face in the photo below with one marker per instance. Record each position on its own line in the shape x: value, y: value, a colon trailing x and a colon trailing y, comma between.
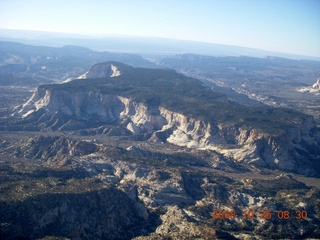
x: 316, y: 85
x: 163, y: 125
x: 101, y: 71
x: 78, y: 106
x: 315, y: 88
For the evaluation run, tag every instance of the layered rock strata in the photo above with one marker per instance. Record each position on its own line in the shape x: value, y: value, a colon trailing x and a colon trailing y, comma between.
x: 58, y: 109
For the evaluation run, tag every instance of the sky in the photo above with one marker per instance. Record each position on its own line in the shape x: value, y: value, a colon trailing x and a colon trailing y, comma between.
x: 289, y: 26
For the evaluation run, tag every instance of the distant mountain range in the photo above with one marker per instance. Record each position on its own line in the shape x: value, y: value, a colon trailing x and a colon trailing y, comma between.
x: 22, y: 64
x: 139, y: 45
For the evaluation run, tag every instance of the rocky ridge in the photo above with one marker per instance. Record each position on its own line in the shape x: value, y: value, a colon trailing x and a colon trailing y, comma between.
x: 27, y: 65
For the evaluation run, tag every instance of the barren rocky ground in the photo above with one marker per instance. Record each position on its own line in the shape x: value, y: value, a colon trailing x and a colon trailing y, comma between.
x: 163, y: 191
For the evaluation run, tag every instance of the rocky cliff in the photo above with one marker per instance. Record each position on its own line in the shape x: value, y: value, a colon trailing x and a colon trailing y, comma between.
x: 315, y: 88
x: 100, y: 70
x: 287, y: 145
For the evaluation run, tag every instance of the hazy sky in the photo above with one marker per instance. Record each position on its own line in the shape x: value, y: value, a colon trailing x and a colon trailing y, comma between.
x: 291, y: 26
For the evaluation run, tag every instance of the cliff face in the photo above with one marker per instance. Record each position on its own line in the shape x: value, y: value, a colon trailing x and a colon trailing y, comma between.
x: 89, y: 106
x: 101, y: 71
x: 58, y: 109
x: 315, y: 88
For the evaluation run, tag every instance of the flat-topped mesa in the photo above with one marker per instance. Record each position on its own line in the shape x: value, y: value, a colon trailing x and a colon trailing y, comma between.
x: 163, y: 106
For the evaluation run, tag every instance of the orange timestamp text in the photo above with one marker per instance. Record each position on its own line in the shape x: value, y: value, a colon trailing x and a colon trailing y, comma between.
x: 265, y: 214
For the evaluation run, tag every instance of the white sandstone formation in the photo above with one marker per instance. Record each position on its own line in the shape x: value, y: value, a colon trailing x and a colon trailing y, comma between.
x: 99, y: 71
x: 315, y: 88
x: 235, y: 143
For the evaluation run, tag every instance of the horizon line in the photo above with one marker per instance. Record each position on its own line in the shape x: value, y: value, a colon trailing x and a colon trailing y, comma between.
x: 122, y: 36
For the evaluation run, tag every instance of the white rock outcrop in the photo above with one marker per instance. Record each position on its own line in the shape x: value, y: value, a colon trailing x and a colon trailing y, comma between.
x: 99, y: 71
x: 315, y: 88
x: 235, y: 143
x: 102, y: 70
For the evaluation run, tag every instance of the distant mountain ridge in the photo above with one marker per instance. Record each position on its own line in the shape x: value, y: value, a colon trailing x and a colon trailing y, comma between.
x: 139, y: 45
x: 22, y: 64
